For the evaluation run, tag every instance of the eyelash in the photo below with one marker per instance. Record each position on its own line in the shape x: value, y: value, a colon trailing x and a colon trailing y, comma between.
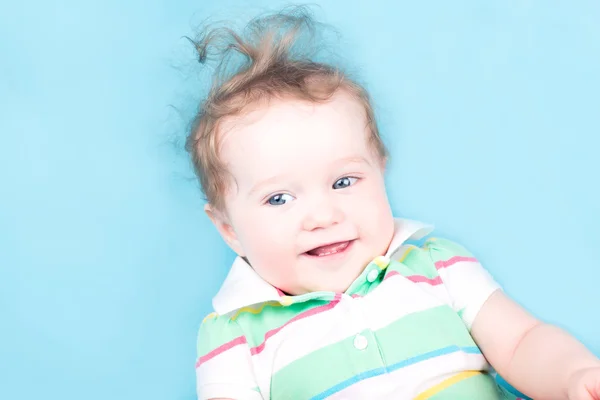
x: 267, y: 202
x: 346, y: 177
x: 353, y: 179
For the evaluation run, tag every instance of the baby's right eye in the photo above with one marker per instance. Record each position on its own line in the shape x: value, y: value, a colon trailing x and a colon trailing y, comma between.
x: 279, y: 199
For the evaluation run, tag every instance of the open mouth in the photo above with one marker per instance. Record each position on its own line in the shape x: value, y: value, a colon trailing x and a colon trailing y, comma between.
x: 330, y: 249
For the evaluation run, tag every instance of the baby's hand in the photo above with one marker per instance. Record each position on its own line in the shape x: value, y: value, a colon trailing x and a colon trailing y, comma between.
x: 585, y: 385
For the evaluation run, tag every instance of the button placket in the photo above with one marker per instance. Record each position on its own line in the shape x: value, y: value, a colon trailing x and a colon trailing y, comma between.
x: 364, y: 339
x: 373, y: 275
x: 359, y: 323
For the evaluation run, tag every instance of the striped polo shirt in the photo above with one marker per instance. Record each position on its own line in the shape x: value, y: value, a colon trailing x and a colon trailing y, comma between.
x: 400, y: 331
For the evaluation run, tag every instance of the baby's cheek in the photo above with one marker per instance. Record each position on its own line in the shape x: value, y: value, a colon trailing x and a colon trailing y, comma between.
x: 270, y: 245
x: 273, y: 260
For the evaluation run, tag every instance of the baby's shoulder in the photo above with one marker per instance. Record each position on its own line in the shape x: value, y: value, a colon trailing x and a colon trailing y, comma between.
x: 217, y: 330
x: 442, y: 249
x: 428, y: 256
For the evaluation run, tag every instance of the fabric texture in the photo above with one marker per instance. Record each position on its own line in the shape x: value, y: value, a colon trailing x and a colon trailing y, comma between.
x: 401, y: 330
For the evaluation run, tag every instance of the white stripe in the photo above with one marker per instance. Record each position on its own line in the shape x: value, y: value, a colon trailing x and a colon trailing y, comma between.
x: 226, y: 391
x: 469, y: 286
x: 306, y: 335
x: 407, y: 296
x: 439, y: 291
x: 228, y: 375
x: 301, y: 338
x: 346, y: 319
x: 408, y: 382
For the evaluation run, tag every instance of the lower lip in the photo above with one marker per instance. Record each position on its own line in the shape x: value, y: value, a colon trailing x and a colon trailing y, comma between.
x: 332, y: 255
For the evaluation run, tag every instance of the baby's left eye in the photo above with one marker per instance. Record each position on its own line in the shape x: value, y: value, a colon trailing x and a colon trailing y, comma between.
x: 344, y: 182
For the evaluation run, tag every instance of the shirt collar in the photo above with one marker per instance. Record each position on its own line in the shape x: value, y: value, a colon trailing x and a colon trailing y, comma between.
x: 244, y: 287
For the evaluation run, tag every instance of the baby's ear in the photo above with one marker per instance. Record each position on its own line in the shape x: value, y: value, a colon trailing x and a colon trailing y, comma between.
x: 383, y: 161
x: 221, y: 222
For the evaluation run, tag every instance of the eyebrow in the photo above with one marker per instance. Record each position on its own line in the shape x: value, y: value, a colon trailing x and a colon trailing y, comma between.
x: 340, y: 162
x: 262, y: 183
x: 352, y: 160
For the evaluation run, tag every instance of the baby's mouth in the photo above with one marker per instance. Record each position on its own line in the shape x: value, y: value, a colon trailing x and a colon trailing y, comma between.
x: 329, y: 249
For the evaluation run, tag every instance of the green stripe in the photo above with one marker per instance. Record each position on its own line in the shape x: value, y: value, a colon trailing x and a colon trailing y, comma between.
x: 423, y: 332
x: 443, y: 249
x: 408, y: 337
x: 215, y: 332
x: 324, y: 368
x: 417, y: 262
x: 257, y: 325
x: 361, y: 285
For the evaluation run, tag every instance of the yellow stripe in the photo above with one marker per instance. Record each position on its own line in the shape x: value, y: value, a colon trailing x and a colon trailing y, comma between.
x: 429, y: 241
x: 286, y: 300
x: 446, y: 384
x: 209, y: 316
x: 253, y: 310
x: 406, y: 254
x: 382, y: 262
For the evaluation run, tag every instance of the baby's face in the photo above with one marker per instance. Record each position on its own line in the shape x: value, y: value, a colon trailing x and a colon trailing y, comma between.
x: 307, y: 203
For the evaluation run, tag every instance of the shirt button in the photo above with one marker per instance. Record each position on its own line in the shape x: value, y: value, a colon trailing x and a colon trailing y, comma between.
x: 372, y: 275
x: 360, y: 342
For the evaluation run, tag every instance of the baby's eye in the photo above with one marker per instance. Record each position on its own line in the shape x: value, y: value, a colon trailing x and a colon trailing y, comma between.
x: 279, y: 199
x: 344, y: 182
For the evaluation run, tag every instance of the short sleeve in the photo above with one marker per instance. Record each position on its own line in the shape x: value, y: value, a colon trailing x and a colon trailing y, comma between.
x: 468, y: 283
x: 224, y: 367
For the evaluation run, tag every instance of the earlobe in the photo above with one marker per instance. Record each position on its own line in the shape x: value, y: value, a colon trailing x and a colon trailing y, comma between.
x: 225, y: 229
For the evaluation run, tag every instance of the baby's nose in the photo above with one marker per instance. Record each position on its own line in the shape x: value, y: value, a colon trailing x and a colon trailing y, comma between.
x: 322, y: 216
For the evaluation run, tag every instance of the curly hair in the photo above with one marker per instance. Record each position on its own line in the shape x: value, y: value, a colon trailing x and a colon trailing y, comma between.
x: 277, y: 63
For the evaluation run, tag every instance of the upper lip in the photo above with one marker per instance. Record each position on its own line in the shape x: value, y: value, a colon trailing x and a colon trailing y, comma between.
x: 307, y: 249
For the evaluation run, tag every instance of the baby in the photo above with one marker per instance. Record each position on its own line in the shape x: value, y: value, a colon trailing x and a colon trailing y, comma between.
x: 330, y: 295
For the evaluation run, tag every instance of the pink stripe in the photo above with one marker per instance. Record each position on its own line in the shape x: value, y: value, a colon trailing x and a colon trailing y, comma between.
x: 390, y: 274
x: 306, y: 314
x: 454, y: 260
x: 423, y: 279
x: 417, y: 278
x: 237, y: 341
x: 280, y: 292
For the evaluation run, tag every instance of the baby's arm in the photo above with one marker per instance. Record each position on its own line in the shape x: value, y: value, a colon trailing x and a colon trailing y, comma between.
x: 538, y: 359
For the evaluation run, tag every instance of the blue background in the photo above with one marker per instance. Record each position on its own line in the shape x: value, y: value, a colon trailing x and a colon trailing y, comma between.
x: 107, y: 262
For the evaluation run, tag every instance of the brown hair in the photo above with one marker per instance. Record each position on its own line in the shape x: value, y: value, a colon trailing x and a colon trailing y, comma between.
x: 275, y: 66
